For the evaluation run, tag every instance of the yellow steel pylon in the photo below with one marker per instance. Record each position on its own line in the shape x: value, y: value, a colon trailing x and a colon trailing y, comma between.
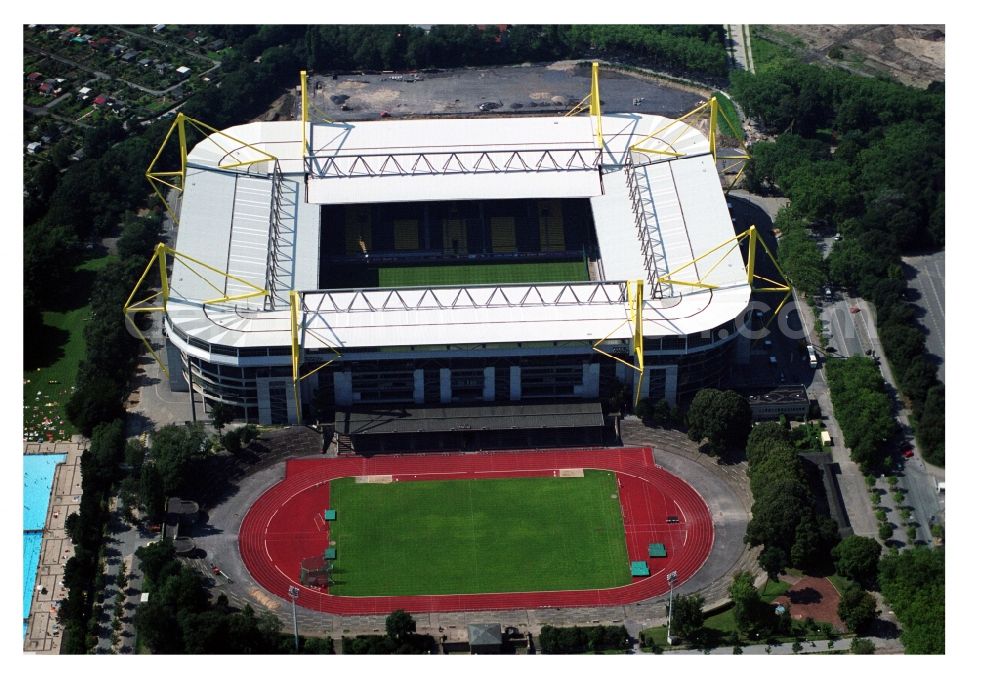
x: 160, y: 256
x: 594, y: 101
x: 295, y: 303
x: 634, y: 317
x: 180, y: 125
x: 305, y: 114
x: 659, y: 143
x: 635, y: 293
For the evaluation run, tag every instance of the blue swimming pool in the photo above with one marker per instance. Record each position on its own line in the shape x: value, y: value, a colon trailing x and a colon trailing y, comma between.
x: 39, y: 471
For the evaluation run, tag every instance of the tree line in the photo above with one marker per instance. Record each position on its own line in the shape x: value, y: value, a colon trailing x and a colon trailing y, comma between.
x: 783, y: 516
x: 84, y: 571
x: 696, y: 50
x: 181, y: 618
x: 863, y: 409
x: 864, y: 157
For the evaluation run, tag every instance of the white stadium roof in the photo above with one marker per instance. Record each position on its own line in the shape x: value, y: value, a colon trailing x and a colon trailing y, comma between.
x: 224, y: 222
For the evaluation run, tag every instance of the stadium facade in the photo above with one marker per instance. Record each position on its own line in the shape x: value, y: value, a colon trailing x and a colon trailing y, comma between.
x: 349, y: 228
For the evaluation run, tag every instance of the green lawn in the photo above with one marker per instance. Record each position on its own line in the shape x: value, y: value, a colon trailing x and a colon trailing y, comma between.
x: 48, y: 387
x: 767, y: 54
x: 732, y: 127
x: 484, y: 273
x: 477, y: 536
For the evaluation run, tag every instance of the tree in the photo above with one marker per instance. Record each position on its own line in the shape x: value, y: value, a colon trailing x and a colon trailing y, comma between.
x: 814, y: 537
x: 688, y: 617
x: 95, y: 400
x: 862, y: 646
x: 773, y: 561
x: 748, y: 609
x: 399, y: 626
x: 151, y: 495
x: 221, y: 415
x: 856, y: 558
x: 857, y: 609
x: 174, y: 448
x: 661, y: 413
x: 158, y: 561
x: 644, y: 410
x: 885, y: 531
x: 913, y: 583
x: 231, y: 441
x: 723, y: 417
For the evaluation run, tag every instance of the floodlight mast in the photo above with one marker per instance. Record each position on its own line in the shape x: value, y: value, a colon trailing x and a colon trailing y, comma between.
x: 671, y: 576
x: 293, y: 593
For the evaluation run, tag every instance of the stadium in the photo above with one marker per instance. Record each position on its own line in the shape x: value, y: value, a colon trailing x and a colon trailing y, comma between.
x: 452, y: 283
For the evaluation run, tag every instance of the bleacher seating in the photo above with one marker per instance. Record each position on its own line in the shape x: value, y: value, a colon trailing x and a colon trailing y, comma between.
x: 503, y: 234
x: 455, y: 237
x: 550, y: 226
x: 357, y: 228
x: 406, y: 234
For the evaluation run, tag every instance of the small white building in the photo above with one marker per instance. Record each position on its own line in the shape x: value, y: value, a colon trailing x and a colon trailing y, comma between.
x: 159, y: 27
x: 84, y: 92
x: 33, y: 147
x: 184, y: 71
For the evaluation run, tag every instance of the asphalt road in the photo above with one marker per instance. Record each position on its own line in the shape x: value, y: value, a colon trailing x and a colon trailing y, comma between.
x: 926, y: 276
x: 740, y: 47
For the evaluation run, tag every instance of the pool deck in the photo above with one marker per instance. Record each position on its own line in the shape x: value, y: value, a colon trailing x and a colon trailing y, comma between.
x: 44, y: 635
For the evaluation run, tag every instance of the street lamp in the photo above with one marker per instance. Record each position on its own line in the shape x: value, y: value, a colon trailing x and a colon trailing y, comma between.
x: 671, y: 576
x: 293, y: 593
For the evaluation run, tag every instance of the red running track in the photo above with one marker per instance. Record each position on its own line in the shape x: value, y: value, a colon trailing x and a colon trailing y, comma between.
x: 285, y: 525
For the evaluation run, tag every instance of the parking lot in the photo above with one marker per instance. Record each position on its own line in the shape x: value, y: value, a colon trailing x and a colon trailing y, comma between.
x: 534, y: 89
x: 925, y: 275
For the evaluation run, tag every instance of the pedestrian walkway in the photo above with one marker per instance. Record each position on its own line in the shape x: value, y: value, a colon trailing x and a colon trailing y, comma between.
x: 883, y: 646
x: 44, y: 633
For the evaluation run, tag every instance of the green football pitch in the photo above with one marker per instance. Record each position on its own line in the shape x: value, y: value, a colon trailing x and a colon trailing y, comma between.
x: 476, y: 536
x: 484, y: 273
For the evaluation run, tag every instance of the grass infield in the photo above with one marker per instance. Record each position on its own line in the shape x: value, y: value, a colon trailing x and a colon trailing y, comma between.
x: 484, y: 273
x: 478, y: 536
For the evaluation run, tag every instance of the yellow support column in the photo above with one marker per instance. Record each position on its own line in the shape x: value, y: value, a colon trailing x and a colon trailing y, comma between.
x: 305, y: 113
x: 752, y: 256
x: 713, y: 108
x: 293, y: 299
x: 161, y: 254
x: 635, y: 316
x: 595, y: 103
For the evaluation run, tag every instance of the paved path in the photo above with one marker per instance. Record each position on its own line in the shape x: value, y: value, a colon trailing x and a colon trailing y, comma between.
x: 739, y: 37
x: 928, y: 280
x: 882, y: 646
x: 44, y: 634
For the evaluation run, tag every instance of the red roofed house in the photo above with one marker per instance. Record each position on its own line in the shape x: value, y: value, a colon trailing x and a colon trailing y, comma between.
x: 34, y: 76
x: 73, y: 30
x: 45, y: 88
x: 100, y: 100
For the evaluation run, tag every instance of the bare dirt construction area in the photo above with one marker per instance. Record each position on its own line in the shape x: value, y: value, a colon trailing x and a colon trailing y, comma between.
x: 529, y: 89
x: 814, y: 597
x: 912, y: 54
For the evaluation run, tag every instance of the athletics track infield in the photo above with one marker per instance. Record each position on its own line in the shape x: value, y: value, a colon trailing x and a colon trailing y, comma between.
x: 286, y: 525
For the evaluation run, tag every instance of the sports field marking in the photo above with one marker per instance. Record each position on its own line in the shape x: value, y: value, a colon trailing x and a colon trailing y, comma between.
x: 477, y: 536
x: 571, y: 472
x: 374, y: 479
